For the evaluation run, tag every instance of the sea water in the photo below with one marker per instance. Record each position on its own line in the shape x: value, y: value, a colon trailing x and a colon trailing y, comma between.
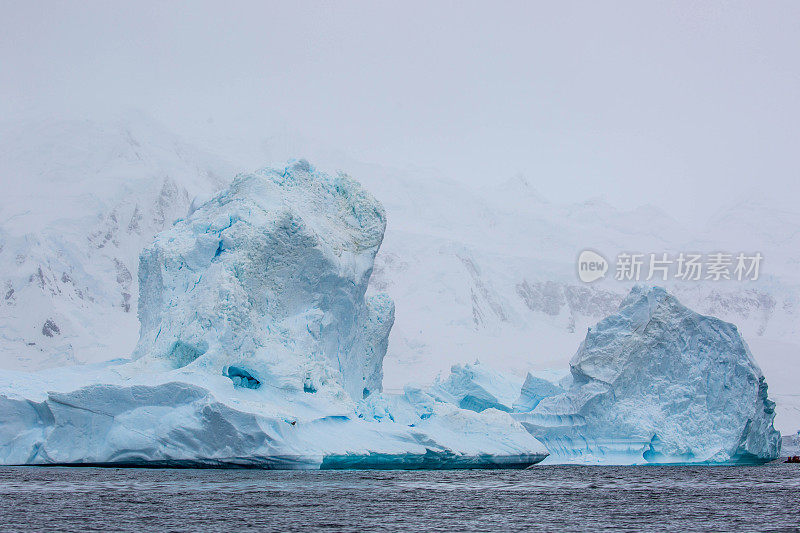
x: 543, y: 497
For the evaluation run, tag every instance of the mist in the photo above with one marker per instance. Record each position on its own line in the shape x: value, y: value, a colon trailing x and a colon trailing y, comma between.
x: 686, y: 106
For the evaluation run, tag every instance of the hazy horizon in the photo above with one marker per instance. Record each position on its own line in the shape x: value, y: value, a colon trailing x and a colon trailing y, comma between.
x: 688, y: 108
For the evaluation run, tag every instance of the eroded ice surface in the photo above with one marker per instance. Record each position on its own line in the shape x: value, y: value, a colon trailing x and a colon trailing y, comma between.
x: 259, y: 345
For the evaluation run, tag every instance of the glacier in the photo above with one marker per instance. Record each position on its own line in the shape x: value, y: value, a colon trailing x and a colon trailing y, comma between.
x: 656, y: 383
x: 260, y: 346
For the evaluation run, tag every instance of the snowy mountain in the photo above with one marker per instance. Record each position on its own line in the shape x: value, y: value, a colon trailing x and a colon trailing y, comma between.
x: 487, y: 273
x: 80, y: 201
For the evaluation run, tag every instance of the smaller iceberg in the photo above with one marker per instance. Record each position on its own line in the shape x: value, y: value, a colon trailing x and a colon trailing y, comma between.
x: 534, y: 390
x: 477, y: 387
x: 656, y: 383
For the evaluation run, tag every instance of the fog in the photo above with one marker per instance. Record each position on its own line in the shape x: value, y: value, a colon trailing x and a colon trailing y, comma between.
x: 688, y: 106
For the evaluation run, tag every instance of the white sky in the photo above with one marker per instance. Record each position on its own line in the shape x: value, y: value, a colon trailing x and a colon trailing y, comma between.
x: 686, y: 105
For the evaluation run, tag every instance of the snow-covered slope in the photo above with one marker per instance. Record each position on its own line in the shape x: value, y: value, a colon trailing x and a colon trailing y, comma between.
x: 80, y: 200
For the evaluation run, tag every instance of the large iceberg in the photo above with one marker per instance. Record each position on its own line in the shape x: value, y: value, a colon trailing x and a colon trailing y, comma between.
x: 259, y: 346
x: 658, y: 383
x: 267, y: 282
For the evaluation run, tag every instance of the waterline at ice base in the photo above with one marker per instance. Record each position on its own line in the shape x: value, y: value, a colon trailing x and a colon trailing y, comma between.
x: 260, y: 346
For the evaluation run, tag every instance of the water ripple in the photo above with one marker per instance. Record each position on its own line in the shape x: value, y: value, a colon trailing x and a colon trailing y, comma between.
x: 544, y: 498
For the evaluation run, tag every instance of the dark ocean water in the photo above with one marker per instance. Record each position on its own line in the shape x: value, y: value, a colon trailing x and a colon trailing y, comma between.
x: 544, y: 498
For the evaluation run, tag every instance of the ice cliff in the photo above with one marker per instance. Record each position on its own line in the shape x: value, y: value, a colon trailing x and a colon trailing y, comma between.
x: 258, y: 346
x: 658, y: 383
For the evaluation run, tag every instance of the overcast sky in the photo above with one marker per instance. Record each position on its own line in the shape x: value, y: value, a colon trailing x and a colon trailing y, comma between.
x: 686, y: 105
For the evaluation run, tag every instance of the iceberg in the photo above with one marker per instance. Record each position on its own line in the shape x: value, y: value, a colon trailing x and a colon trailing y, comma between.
x: 477, y: 387
x: 658, y: 383
x: 267, y: 282
x: 260, y: 346
x: 534, y: 390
